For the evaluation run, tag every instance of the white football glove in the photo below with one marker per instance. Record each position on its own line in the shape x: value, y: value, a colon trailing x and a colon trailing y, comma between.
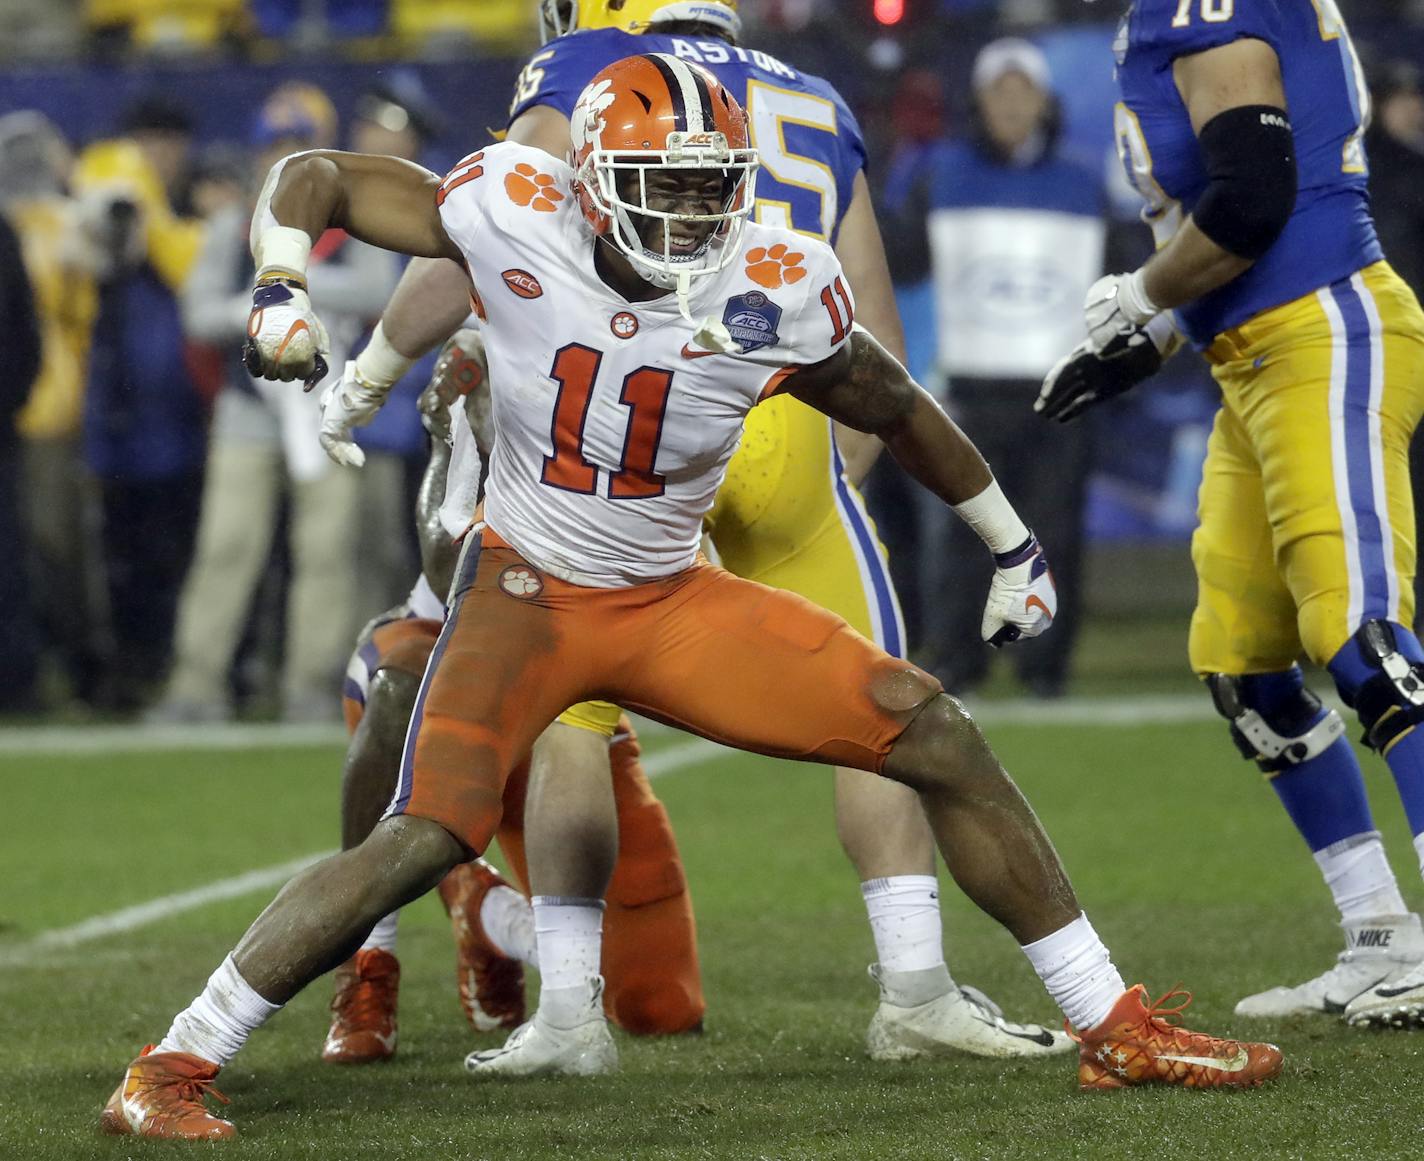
x: 1116, y: 306
x: 285, y: 339
x: 347, y: 404
x: 1022, y: 598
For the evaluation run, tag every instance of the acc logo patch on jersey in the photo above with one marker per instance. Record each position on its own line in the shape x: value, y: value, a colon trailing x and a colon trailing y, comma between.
x: 624, y: 324
x: 522, y: 283
x: 519, y: 580
x: 751, y: 320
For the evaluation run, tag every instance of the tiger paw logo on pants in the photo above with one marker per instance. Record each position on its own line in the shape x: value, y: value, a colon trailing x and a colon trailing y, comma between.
x: 519, y: 580
x: 526, y: 186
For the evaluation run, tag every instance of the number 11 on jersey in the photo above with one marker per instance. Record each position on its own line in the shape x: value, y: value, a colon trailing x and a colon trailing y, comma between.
x: 645, y: 393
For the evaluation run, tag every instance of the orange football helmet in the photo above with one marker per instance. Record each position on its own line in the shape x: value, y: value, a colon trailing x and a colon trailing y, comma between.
x: 656, y: 112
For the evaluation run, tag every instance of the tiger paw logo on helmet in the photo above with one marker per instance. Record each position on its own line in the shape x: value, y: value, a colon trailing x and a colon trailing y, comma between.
x: 521, y: 581
x: 775, y: 267
x: 526, y: 186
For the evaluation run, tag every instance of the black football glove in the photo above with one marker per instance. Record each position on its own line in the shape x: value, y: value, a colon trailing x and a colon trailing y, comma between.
x: 1084, y: 377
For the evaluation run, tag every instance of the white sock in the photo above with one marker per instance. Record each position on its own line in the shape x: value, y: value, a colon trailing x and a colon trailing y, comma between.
x: 1078, y: 972
x: 218, y: 1022
x: 905, y: 921
x: 383, y: 935
x: 1359, y: 877
x: 508, y: 921
x: 1419, y: 850
x: 568, y: 935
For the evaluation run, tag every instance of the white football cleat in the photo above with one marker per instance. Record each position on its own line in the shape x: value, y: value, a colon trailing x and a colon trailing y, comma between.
x: 541, y: 1048
x: 1393, y: 1003
x: 1376, y: 950
x: 963, y: 1019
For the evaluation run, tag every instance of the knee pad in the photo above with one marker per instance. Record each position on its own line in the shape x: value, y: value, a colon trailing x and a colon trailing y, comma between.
x: 1380, y: 682
x: 1275, y: 720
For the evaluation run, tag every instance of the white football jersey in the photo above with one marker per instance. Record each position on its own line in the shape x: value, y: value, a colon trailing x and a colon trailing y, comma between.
x: 613, y: 425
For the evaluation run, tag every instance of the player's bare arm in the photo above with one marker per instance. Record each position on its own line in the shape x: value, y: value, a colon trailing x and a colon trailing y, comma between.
x: 381, y: 200
x: 1236, y: 101
x: 1239, y: 82
x: 541, y: 127
x: 864, y: 387
x: 862, y: 258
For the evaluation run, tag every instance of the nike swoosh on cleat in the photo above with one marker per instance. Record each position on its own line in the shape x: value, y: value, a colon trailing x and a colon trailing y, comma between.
x: 1390, y: 993
x: 691, y: 352
x: 1235, y: 1064
x: 1042, y: 1037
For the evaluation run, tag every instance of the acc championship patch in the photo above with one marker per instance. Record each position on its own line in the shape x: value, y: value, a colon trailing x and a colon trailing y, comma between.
x: 751, y: 320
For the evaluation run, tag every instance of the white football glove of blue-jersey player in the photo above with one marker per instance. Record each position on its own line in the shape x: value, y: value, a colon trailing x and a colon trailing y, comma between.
x: 1116, y: 307
x: 1022, y: 597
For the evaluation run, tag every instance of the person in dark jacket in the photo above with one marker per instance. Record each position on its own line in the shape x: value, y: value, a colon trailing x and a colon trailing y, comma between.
x: 20, y: 340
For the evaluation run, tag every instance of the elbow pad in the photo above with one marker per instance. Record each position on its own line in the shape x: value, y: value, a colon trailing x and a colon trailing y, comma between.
x: 1250, y: 161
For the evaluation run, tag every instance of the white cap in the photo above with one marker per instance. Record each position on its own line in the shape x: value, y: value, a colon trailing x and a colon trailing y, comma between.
x: 1011, y: 54
x: 706, y: 11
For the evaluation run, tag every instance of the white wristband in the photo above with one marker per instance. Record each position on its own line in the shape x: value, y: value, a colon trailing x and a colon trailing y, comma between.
x: 1132, y: 298
x: 992, y: 516
x: 380, y: 365
x: 283, y: 248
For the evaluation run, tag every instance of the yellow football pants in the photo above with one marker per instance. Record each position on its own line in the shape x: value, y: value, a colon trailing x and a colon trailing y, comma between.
x: 1306, y: 517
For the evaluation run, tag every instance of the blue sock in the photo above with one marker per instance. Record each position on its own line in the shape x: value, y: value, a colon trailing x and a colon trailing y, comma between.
x: 1406, y: 756
x: 1324, y: 795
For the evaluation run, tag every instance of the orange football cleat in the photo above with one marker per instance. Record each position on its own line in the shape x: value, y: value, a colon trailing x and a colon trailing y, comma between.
x: 162, y: 1094
x: 1137, y: 1044
x: 363, y: 1024
x: 491, y: 983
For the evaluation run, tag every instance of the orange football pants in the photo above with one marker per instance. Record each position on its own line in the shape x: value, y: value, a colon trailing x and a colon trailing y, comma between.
x: 754, y: 667
x: 653, y: 978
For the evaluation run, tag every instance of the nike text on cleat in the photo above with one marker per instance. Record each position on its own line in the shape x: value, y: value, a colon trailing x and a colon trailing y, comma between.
x: 963, y: 1020
x: 1376, y: 950
x: 1136, y: 1043
x: 161, y: 1095
x: 363, y: 1011
x: 541, y: 1049
x: 491, y: 983
x: 1397, y: 1002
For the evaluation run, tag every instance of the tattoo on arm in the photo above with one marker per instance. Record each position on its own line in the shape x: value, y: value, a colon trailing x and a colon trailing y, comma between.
x: 861, y: 386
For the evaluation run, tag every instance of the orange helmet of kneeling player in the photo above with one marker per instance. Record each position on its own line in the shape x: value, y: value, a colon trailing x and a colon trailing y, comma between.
x: 656, y: 112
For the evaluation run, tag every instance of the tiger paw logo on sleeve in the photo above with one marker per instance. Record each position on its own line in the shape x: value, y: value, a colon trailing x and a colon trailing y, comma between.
x: 775, y: 267
x: 526, y: 186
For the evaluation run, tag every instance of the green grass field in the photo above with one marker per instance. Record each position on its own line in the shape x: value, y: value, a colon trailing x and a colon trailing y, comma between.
x: 1179, y: 851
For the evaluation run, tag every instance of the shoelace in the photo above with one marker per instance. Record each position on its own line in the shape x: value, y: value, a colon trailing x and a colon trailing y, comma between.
x: 196, y: 1090
x: 1159, y: 1018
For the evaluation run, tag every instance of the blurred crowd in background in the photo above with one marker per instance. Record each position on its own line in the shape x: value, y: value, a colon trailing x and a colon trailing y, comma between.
x: 173, y: 542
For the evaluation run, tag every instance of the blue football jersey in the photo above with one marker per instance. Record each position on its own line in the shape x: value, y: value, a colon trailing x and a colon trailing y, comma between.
x: 1330, y: 234
x: 810, y: 146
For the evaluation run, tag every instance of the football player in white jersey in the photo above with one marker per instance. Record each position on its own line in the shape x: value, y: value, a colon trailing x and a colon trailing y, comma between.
x: 787, y: 515
x: 627, y: 343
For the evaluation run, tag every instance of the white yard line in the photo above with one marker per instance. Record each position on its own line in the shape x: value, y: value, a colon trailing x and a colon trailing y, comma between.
x: 668, y: 760
x: 229, y: 736
x: 121, y: 739
x: 154, y: 911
